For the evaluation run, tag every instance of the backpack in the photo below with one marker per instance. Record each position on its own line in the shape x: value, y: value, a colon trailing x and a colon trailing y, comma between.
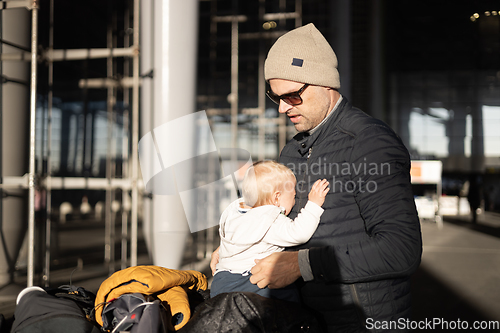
x: 61, y: 310
x: 133, y: 313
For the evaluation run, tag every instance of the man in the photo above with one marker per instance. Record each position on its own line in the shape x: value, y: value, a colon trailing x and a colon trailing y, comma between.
x: 355, y: 270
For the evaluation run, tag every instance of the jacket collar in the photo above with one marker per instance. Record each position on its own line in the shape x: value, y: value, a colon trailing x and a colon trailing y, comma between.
x: 305, y: 140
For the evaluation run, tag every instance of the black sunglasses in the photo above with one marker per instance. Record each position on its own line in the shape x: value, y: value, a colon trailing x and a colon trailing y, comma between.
x: 292, y: 98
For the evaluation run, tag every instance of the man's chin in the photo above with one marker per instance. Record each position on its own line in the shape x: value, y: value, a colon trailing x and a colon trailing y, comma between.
x: 300, y: 128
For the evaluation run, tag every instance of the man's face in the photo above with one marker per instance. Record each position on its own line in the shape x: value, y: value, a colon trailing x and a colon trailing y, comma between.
x: 317, y: 102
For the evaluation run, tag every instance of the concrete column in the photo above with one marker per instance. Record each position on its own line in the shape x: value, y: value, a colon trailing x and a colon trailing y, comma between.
x: 169, y: 47
x: 15, y: 139
x: 456, y: 131
x: 477, y: 142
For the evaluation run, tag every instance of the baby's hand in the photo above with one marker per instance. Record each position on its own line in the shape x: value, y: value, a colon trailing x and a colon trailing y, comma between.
x: 319, y: 191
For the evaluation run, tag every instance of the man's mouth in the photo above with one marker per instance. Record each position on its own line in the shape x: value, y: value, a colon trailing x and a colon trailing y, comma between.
x: 295, y: 118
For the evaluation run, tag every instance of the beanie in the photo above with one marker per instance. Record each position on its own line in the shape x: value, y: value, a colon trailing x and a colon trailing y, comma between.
x: 303, y: 55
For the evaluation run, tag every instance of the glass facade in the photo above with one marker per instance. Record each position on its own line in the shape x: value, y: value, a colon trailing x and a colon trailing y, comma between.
x: 442, y: 64
x: 452, y: 116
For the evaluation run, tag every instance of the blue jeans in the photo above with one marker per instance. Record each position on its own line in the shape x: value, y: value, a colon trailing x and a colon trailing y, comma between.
x: 225, y: 282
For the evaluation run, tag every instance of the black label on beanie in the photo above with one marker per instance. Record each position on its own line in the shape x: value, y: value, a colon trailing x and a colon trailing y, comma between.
x: 297, y: 62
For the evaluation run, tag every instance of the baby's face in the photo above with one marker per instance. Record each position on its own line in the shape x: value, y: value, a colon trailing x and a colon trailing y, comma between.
x: 287, y: 198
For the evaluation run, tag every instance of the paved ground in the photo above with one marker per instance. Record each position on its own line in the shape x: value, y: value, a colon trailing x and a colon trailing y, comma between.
x: 458, y: 282
x: 459, y: 278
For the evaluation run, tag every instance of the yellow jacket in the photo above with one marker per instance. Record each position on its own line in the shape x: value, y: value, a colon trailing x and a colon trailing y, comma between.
x: 170, y: 285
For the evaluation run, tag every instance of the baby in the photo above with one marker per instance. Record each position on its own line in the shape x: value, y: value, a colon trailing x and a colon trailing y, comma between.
x: 257, y: 225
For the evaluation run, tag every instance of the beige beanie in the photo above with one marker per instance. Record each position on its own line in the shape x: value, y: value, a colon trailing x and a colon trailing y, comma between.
x: 303, y: 55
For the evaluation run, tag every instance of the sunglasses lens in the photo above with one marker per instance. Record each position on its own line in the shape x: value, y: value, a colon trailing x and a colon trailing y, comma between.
x: 293, y: 100
x: 273, y: 97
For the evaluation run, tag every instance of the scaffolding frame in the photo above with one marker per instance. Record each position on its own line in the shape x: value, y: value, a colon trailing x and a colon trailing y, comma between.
x: 32, y: 180
x: 236, y: 36
x: 132, y: 183
x: 205, y: 244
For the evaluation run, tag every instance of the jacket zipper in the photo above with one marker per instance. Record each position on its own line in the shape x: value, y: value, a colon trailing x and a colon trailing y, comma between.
x: 304, y: 177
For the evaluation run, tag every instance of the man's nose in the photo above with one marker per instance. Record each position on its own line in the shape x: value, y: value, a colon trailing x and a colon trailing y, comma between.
x: 284, y: 107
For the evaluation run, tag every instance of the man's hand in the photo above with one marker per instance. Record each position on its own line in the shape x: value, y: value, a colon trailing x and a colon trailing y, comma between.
x: 214, y: 260
x: 278, y: 270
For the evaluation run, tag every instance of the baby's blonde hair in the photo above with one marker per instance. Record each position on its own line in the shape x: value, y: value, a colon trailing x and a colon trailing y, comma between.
x: 264, y: 178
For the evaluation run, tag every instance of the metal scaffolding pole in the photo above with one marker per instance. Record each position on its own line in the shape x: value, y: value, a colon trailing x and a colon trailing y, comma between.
x: 72, y: 54
x: 234, y: 87
x: 261, y: 93
x: 48, y: 188
x: 31, y: 177
x: 1, y: 124
x: 233, y: 97
x: 125, y: 144
x: 135, y: 138
x: 109, y: 253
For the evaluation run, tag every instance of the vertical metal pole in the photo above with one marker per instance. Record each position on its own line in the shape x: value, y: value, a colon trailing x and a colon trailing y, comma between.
x: 1, y: 124
x: 135, y: 138
x: 125, y: 142
x: 31, y: 179
x: 213, y: 54
x: 298, y: 10
x: 439, y: 193
x: 211, y: 89
x: 262, y: 107
x: 283, y: 124
x: 261, y: 91
x: 209, y: 244
x: 109, y: 253
x: 234, y: 87
x: 48, y: 222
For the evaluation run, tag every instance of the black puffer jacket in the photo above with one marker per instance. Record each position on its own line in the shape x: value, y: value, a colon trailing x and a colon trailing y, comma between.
x: 368, y: 242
